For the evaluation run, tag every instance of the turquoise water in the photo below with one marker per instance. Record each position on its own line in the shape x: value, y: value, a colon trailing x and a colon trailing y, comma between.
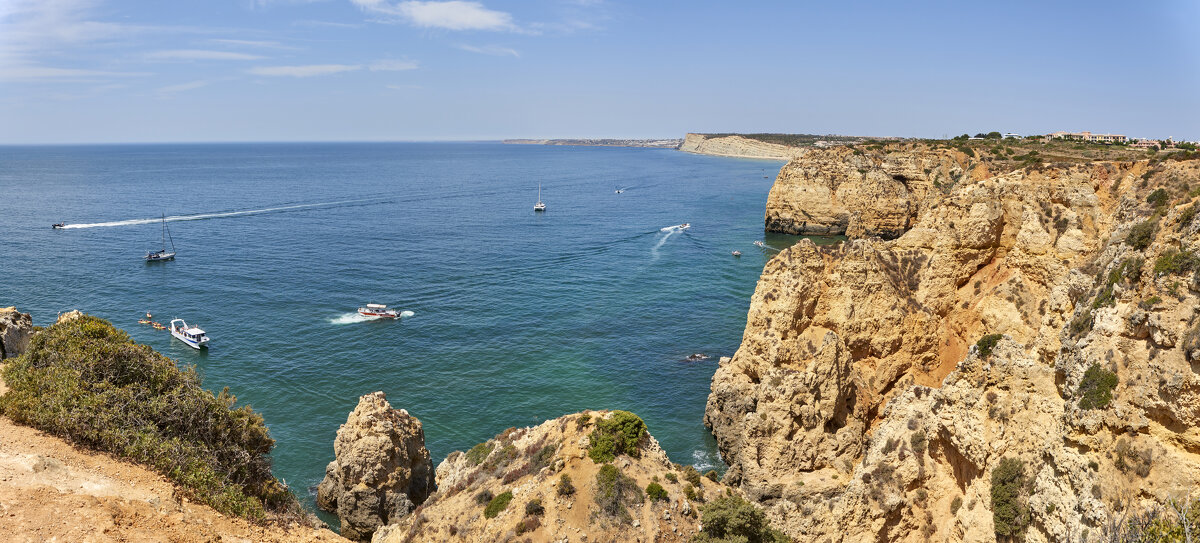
x: 517, y: 317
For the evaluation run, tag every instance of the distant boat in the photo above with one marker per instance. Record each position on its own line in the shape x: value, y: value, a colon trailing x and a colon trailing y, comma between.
x: 684, y: 226
x: 59, y: 225
x: 539, y: 206
x: 619, y: 191
x: 192, y: 335
x: 379, y: 310
x: 759, y: 243
x: 737, y: 253
x: 163, y: 254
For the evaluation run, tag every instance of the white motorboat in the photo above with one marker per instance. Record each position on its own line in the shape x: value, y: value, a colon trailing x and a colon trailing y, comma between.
x: 192, y: 335
x: 379, y: 310
x: 539, y: 206
x: 163, y: 254
x: 737, y: 253
x: 759, y: 244
x: 684, y: 226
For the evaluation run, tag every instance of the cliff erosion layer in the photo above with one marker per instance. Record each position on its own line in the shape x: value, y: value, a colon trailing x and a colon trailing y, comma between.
x: 737, y: 146
x: 862, y: 404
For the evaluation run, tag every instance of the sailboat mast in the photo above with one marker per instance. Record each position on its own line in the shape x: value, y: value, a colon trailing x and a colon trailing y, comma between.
x: 164, y: 231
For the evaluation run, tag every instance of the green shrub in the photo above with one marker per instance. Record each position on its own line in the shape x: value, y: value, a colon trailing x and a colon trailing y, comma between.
x: 691, y: 493
x: 1170, y: 522
x: 656, y: 492
x: 534, y: 507
x: 1095, y: 389
x: 1150, y: 302
x: 583, y: 421
x: 987, y: 343
x: 565, y: 488
x: 731, y: 519
x: 543, y: 457
x: 497, y: 505
x: 955, y: 504
x: 1009, y: 513
x: 1187, y: 216
x: 1142, y: 234
x: 1173, y: 261
x: 670, y: 476
x: 621, y: 433
x: 712, y: 475
x: 484, y: 496
x: 918, y: 441
x: 1158, y: 198
x: 691, y: 475
x: 87, y: 381
x: 615, y: 489
x: 478, y: 453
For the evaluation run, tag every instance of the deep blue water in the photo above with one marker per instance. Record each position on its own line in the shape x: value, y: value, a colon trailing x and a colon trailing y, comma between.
x: 517, y: 317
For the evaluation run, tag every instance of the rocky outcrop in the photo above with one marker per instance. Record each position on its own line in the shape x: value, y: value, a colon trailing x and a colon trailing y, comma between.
x: 381, y: 470
x: 844, y: 190
x: 738, y: 146
x: 530, y: 463
x: 16, y: 329
x: 857, y: 407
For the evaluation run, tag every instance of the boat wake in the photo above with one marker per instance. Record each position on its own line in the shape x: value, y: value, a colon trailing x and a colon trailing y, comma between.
x: 356, y: 317
x: 669, y: 232
x: 203, y: 216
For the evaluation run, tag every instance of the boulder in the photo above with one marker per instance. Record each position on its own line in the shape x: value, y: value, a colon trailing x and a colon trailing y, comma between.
x: 381, y: 469
x: 16, y: 329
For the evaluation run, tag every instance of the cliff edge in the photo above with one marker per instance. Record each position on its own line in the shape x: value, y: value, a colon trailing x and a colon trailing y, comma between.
x: 738, y: 147
x: 1018, y: 361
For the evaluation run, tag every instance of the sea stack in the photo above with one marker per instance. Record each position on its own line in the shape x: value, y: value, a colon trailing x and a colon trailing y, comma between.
x: 381, y: 469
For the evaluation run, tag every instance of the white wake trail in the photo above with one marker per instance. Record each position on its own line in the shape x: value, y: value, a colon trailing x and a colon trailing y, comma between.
x: 202, y: 216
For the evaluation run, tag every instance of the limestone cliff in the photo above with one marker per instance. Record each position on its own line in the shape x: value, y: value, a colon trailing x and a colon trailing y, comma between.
x: 16, y: 329
x: 530, y: 463
x: 737, y: 146
x: 381, y: 469
x: 857, y: 407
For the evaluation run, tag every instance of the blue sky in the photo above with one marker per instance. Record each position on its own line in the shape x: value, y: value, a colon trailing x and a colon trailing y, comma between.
x: 365, y: 70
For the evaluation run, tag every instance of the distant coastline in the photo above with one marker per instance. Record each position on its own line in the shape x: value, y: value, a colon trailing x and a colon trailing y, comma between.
x: 657, y: 144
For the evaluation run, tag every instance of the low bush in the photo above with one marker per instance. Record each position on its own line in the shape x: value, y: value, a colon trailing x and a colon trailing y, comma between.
x: 543, y: 457
x: 712, y: 475
x: 527, y: 524
x: 731, y: 519
x: 1095, y: 389
x: 918, y: 441
x: 955, y: 505
x: 1174, y: 521
x: 670, y: 476
x: 1158, y: 198
x: 656, y: 492
x: 89, y: 382
x: 691, y: 475
x: 484, y: 496
x: 480, y: 452
x: 1173, y: 261
x: 1187, y: 216
x: 534, y: 507
x: 614, y: 490
x: 621, y: 433
x: 691, y: 493
x: 1081, y: 324
x: 565, y: 487
x: 1010, y: 515
x: 987, y: 343
x: 1141, y: 235
x: 497, y: 505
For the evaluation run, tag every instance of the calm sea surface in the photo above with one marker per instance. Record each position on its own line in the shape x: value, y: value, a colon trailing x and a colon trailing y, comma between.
x: 517, y: 317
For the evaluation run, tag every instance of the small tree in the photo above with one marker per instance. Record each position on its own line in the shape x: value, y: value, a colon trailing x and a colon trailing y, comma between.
x: 732, y: 519
x: 1009, y: 514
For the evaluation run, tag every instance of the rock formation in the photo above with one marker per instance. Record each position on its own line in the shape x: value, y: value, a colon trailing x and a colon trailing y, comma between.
x: 381, y: 469
x: 16, y: 329
x: 737, y: 146
x: 859, y: 407
x: 531, y: 463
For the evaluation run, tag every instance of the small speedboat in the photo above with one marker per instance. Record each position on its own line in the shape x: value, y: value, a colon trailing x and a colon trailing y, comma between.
x: 379, y: 310
x: 59, y: 225
x: 619, y: 191
x: 192, y: 335
x: 759, y: 244
x: 737, y: 253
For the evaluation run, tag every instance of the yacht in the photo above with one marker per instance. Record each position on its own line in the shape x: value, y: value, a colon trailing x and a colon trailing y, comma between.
x: 163, y: 254
x: 379, y: 310
x: 539, y: 206
x: 192, y: 335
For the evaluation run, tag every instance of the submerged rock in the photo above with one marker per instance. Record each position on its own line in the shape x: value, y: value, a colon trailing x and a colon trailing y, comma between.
x: 16, y: 329
x: 381, y: 469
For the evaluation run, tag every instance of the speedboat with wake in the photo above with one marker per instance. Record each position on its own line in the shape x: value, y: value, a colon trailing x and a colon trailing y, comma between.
x: 759, y: 244
x: 58, y: 225
x: 190, y: 334
x: 380, y: 311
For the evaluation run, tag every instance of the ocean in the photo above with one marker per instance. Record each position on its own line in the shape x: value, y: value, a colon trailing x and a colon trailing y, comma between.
x: 516, y: 316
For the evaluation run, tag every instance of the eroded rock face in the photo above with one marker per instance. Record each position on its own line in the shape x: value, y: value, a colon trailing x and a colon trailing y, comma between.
x: 737, y: 146
x: 845, y: 191
x: 381, y: 470
x: 857, y: 408
x: 16, y: 329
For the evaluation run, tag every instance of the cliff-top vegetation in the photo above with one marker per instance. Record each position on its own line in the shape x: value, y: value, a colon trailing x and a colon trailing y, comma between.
x: 87, y: 381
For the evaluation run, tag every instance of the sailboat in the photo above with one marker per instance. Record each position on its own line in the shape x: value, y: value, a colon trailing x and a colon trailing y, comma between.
x: 163, y: 254
x: 539, y: 206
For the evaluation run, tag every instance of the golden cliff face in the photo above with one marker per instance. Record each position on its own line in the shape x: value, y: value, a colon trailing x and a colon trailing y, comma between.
x: 857, y: 407
x: 737, y: 146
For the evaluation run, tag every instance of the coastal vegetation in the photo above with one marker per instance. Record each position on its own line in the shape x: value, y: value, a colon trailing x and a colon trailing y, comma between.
x: 614, y: 490
x: 731, y: 519
x: 87, y: 381
x: 621, y: 433
x: 1009, y: 513
x: 1095, y: 389
x: 987, y: 343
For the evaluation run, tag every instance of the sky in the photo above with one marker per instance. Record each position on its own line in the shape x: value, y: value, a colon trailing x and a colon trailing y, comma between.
x: 110, y: 71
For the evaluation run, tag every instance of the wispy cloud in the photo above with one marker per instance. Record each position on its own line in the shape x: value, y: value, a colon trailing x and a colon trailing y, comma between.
x: 494, y: 50
x: 172, y: 89
x: 449, y: 15
x: 392, y: 65
x: 310, y: 70
x: 200, y: 54
x: 29, y: 72
x: 330, y: 24
x: 252, y: 43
